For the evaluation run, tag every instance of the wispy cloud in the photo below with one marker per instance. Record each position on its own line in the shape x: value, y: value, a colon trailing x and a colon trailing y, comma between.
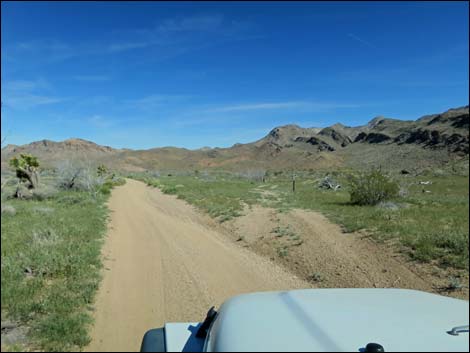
x: 92, y: 78
x: 155, y: 100
x: 303, y: 105
x: 49, y: 50
x: 124, y: 46
x: 168, y: 38
x: 26, y: 85
x: 98, y: 121
x: 26, y: 94
x: 27, y: 101
x: 191, y: 23
x: 182, y: 34
x: 361, y: 40
x: 198, y: 115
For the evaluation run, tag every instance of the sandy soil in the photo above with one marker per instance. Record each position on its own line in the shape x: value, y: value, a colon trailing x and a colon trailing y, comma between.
x: 320, y: 252
x: 164, y: 262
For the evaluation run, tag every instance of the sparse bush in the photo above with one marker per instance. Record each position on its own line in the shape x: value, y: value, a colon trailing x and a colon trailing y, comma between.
x: 403, y: 191
x: 454, y: 284
x: 282, y: 251
x: 9, y: 210
x: 254, y: 175
x: 68, y: 173
x: 329, y: 184
x: 438, y: 173
x: 316, y: 277
x: 152, y: 182
x: 91, y: 181
x: 370, y: 188
x: 44, y: 192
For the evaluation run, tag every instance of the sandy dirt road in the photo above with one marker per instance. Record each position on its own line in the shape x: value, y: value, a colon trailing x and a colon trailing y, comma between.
x: 164, y: 263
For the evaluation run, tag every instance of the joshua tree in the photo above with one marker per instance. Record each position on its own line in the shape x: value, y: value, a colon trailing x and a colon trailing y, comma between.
x: 102, y: 170
x: 26, y: 168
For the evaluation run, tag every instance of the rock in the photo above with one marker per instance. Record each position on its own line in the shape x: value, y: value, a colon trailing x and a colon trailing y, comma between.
x: 328, y: 183
x: 373, y: 137
x: 322, y: 145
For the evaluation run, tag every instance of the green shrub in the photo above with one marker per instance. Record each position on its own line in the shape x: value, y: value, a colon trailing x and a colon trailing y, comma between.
x: 370, y: 188
x: 106, y: 187
x: 169, y: 190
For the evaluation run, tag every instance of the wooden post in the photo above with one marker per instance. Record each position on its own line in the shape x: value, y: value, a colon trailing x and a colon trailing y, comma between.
x: 293, y: 182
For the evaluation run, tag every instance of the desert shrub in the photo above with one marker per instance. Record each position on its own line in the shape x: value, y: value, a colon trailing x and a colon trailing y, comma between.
x: 106, y: 187
x: 152, y: 182
x: 118, y: 180
x: 169, y: 189
x: 370, y: 188
x: 253, y: 174
x: 8, y: 209
x: 44, y: 192
x: 90, y: 181
x: 68, y: 174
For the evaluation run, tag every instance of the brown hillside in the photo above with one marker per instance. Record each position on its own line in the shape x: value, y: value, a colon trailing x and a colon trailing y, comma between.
x: 431, y: 140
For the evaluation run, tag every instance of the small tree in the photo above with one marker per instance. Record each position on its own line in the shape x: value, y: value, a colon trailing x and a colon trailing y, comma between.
x: 370, y: 188
x: 102, y: 170
x: 26, y: 168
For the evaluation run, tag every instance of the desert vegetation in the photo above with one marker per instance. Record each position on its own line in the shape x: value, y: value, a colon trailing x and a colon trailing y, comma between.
x: 426, y: 214
x: 51, y: 241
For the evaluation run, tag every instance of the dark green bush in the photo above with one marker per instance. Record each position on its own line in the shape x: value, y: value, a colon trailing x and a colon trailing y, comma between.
x: 106, y: 187
x: 370, y: 188
x: 169, y: 189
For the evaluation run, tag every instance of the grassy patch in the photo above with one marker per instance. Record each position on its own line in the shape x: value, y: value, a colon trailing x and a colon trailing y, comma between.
x: 432, y: 226
x: 221, y: 198
x: 51, y: 265
x: 431, y: 221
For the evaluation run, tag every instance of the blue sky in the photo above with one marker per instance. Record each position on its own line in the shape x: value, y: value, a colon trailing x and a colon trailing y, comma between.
x: 149, y: 74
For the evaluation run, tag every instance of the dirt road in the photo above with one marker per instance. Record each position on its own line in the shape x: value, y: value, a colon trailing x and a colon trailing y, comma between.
x: 165, y: 263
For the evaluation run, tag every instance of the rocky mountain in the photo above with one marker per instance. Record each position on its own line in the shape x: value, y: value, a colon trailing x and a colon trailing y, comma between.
x: 430, y: 140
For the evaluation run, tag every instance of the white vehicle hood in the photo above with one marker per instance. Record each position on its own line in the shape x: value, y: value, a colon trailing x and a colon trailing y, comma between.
x: 339, y: 320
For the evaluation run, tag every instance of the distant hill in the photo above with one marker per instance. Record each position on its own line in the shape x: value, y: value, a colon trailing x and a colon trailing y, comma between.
x: 430, y: 140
